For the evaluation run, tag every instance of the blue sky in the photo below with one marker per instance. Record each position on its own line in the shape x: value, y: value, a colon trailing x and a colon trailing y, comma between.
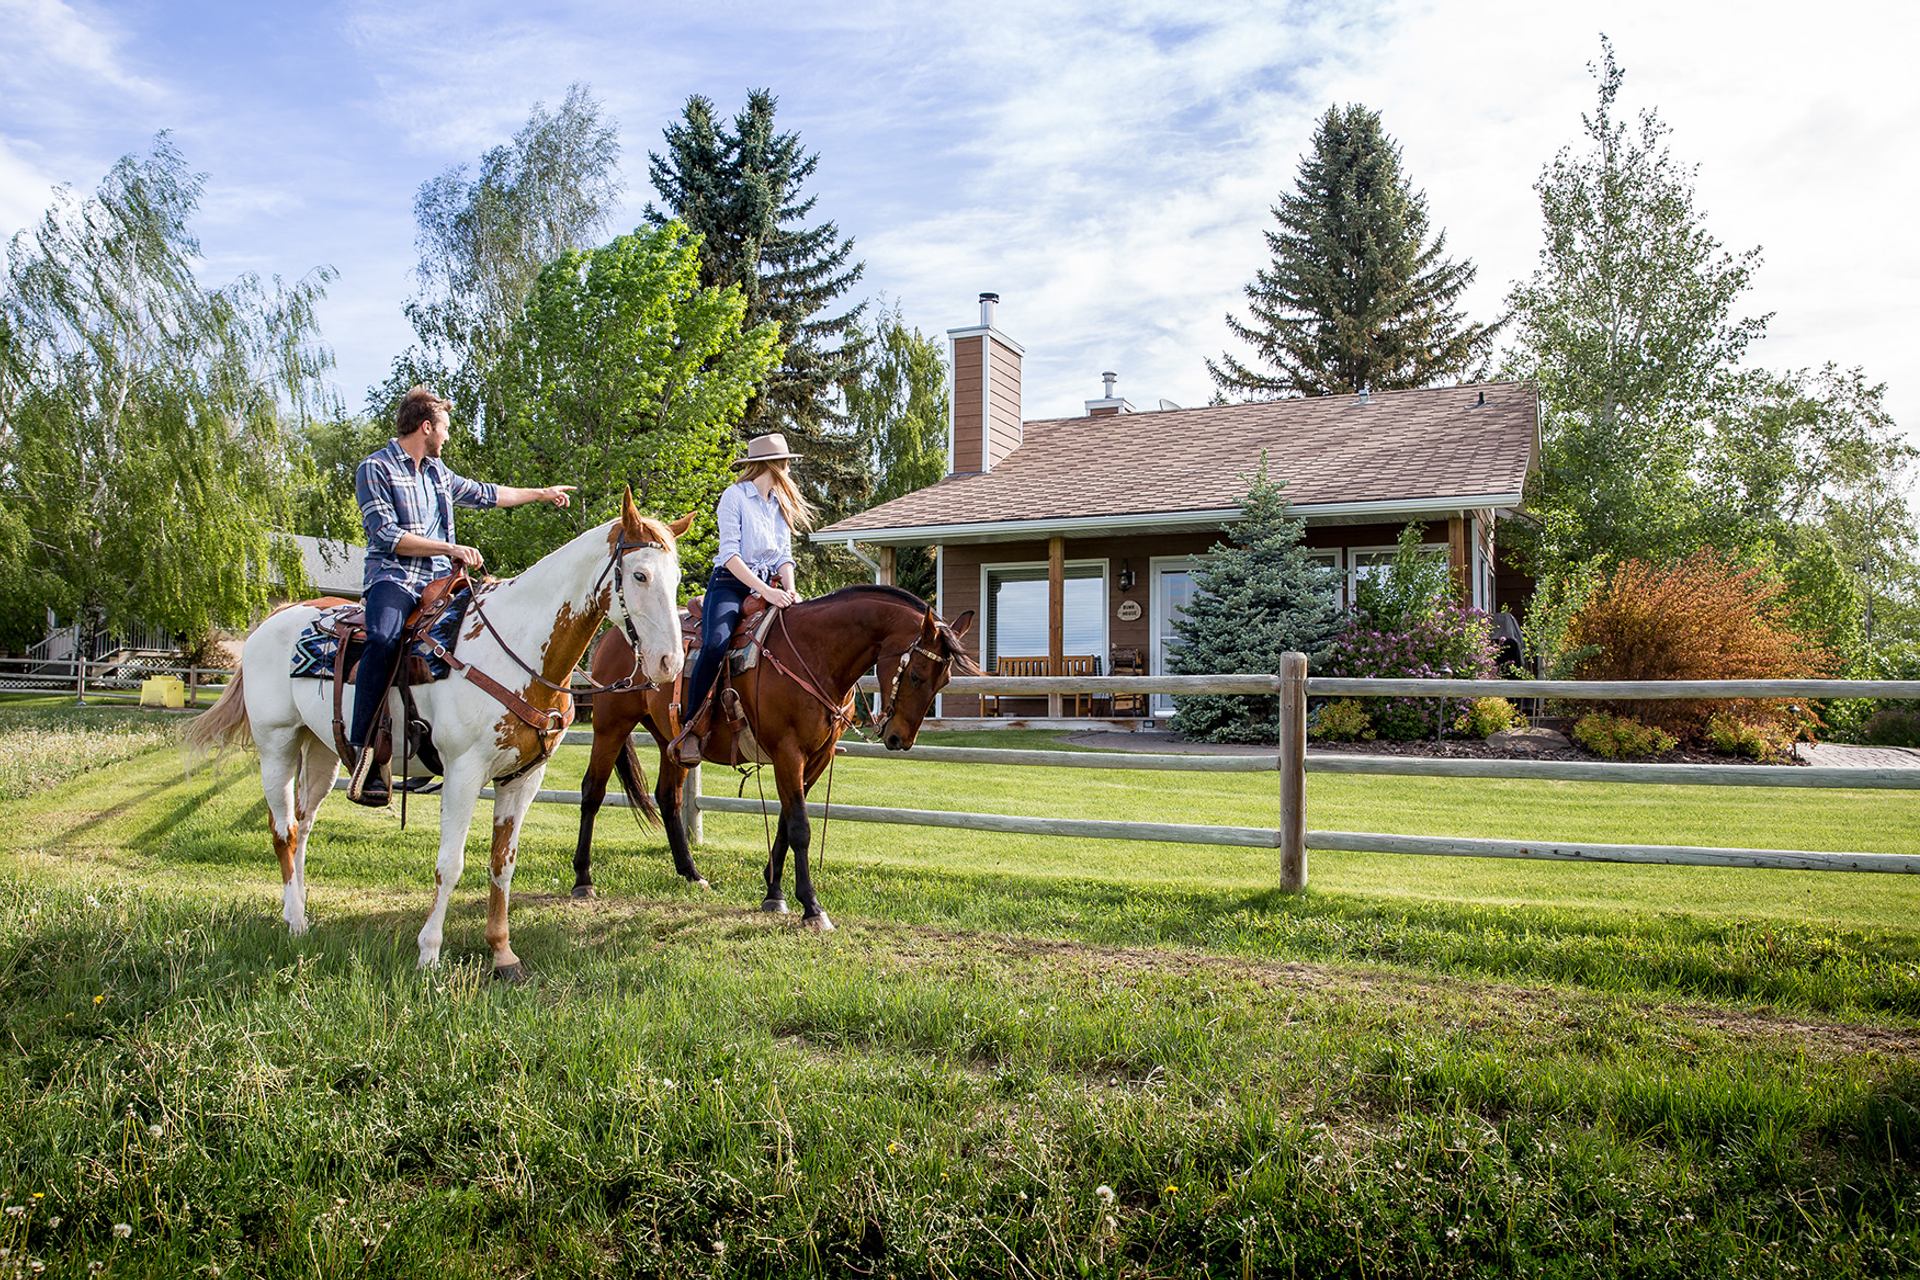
x: 1107, y: 168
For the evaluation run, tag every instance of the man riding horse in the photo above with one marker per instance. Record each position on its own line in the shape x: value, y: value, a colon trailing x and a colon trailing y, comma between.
x: 407, y: 496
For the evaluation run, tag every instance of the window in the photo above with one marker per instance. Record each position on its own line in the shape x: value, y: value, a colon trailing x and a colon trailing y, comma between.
x: 1016, y: 598
x: 1367, y: 563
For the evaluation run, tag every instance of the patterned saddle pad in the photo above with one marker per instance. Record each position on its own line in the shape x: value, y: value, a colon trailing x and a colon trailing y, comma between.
x: 314, y: 651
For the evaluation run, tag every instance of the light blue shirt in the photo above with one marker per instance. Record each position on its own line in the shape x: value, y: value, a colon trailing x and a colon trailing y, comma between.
x: 755, y: 529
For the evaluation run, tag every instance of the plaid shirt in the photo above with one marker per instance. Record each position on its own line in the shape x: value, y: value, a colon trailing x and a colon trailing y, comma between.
x: 388, y: 489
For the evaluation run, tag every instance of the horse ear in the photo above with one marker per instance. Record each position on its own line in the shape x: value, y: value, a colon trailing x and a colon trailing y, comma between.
x: 930, y: 628
x: 961, y: 625
x: 680, y: 526
x: 630, y: 515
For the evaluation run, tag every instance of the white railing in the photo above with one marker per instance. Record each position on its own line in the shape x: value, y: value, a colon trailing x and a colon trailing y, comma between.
x: 115, y: 680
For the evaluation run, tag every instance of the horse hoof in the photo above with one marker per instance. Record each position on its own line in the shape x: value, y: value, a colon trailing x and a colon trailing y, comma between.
x: 703, y: 885
x: 819, y: 923
x: 512, y: 974
x: 775, y: 904
x: 584, y: 891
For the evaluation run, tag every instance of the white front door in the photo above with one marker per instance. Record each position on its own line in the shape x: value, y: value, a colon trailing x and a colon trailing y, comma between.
x: 1172, y: 589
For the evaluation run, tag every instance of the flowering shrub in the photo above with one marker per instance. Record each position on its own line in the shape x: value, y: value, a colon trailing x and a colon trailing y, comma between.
x: 1453, y: 641
x: 1485, y: 717
x: 1342, y: 721
x: 1702, y: 619
x: 1618, y: 736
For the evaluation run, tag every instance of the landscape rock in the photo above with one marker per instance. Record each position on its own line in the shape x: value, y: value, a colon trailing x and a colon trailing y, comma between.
x: 1529, y: 741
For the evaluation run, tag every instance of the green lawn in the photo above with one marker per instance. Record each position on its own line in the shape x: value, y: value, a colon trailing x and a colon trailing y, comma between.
x: 1437, y: 1066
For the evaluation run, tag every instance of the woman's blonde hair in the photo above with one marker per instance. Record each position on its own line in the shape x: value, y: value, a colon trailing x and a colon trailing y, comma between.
x: 793, y: 504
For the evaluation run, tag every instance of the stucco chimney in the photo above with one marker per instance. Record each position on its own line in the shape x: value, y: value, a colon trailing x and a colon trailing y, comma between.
x: 986, y: 425
x: 1108, y: 404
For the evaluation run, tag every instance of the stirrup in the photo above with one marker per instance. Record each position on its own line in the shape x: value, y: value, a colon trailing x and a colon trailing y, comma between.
x: 687, y: 747
x: 375, y: 796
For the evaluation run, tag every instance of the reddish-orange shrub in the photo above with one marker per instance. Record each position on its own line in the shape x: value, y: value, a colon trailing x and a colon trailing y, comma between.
x: 1702, y: 619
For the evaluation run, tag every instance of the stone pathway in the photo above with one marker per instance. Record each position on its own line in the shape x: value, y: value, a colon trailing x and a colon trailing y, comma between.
x: 1841, y: 755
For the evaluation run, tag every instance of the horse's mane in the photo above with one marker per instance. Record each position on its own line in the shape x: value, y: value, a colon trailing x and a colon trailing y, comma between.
x: 901, y: 594
x: 962, y: 663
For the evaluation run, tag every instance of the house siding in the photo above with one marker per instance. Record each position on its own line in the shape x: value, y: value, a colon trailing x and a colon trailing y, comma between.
x: 967, y: 407
x: 1004, y: 408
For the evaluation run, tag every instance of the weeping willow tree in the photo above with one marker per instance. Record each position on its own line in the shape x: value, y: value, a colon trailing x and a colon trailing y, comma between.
x: 149, y: 442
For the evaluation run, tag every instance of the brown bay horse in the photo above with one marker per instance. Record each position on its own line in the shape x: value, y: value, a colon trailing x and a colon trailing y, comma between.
x: 796, y: 701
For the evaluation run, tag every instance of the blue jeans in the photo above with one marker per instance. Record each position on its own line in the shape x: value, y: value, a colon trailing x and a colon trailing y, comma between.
x: 720, y: 613
x: 388, y: 605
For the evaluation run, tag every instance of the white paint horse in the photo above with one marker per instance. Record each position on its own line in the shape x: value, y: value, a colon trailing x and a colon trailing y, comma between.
x: 627, y: 570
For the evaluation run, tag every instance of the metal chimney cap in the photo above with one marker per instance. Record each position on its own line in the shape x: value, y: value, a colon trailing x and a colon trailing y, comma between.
x: 989, y: 297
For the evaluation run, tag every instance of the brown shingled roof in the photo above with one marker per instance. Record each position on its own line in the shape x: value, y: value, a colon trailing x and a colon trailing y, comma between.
x: 1437, y: 442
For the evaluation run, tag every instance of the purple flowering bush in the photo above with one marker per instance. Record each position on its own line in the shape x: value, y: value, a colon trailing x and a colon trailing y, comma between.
x: 1453, y: 641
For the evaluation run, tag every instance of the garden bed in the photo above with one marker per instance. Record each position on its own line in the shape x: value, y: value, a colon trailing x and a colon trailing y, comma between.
x: 1467, y: 749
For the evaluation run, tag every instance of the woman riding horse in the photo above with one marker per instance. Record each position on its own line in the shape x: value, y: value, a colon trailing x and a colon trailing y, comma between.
x: 756, y: 517
x: 796, y: 703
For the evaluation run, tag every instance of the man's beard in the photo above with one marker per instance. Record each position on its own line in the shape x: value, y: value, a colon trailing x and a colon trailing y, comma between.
x: 434, y: 447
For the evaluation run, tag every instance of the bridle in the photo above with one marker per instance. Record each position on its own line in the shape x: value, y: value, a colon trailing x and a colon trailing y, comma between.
x: 614, y: 566
x: 942, y: 660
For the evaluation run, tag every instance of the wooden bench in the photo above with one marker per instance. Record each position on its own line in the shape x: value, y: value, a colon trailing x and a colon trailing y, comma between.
x: 1005, y: 665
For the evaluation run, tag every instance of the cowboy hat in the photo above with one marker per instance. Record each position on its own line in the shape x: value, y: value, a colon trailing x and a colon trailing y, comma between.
x: 771, y: 447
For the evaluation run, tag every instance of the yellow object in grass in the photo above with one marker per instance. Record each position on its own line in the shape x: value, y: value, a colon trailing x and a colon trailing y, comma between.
x: 163, y: 691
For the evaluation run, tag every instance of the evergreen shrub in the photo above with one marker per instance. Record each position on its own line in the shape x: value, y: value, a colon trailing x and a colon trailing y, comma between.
x: 1256, y: 596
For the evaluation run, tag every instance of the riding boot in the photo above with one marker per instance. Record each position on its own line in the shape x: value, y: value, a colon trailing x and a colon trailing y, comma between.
x: 689, y: 745
x: 371, y: 780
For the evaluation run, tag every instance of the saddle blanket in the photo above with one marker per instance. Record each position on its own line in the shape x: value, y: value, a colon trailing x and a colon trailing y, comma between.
x: 314, y: 651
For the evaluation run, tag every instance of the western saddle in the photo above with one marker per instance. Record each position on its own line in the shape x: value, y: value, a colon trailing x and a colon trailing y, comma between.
x: 349, y: 626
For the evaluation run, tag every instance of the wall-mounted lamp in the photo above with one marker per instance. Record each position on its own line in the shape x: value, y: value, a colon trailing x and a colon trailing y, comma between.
x: 1126, y: 576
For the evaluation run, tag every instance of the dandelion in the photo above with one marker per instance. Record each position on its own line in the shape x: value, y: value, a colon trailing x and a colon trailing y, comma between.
x: 36, y: 1266
x: 1103, y: 1193
x: 893, y: 1148
x: 1172, y: 1189
x: 39, y: 1195
x: 15, y: 1210
x: 53, y: 1223
x: 154, y: 1131
x: 122, y: 1230
x: 95, y: 1268
x: 100, y: 999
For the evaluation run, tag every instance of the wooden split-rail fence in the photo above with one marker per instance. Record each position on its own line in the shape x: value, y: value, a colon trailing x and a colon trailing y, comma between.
x: 1291, y: 762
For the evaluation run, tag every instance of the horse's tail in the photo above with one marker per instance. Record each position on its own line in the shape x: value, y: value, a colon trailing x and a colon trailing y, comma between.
x: 222, y: 725
x: 633, y: 780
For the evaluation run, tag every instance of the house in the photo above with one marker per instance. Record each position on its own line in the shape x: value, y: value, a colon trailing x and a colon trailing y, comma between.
x: 1076, y: 538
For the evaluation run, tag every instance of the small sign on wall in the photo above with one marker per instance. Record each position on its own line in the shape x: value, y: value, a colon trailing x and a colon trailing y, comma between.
x: 1129, y: 611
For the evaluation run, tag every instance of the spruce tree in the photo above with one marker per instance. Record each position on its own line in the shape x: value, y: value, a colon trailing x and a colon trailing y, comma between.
x: 741, y: 187
x: 1255, y: 597
x: 1356, y: 296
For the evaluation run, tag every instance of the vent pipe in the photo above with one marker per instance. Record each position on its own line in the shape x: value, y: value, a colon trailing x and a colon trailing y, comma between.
x: 987, y: 303
x: 1108, y: 379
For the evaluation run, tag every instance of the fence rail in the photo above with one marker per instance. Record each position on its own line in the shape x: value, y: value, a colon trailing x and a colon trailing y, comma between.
x: 1292, y: 762
x: 109, y: 681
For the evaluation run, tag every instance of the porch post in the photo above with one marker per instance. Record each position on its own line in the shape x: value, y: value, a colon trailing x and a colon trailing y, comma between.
x: 1056, y: 614
x: 1460, y: 554
x: 886, y: 578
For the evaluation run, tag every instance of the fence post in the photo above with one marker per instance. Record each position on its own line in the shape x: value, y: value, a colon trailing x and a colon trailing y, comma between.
x: 80, y: 677
x: 1293, y: 772
x: 690, y: 815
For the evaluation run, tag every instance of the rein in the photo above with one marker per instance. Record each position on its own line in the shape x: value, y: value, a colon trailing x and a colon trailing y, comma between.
x: 550, y: 724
